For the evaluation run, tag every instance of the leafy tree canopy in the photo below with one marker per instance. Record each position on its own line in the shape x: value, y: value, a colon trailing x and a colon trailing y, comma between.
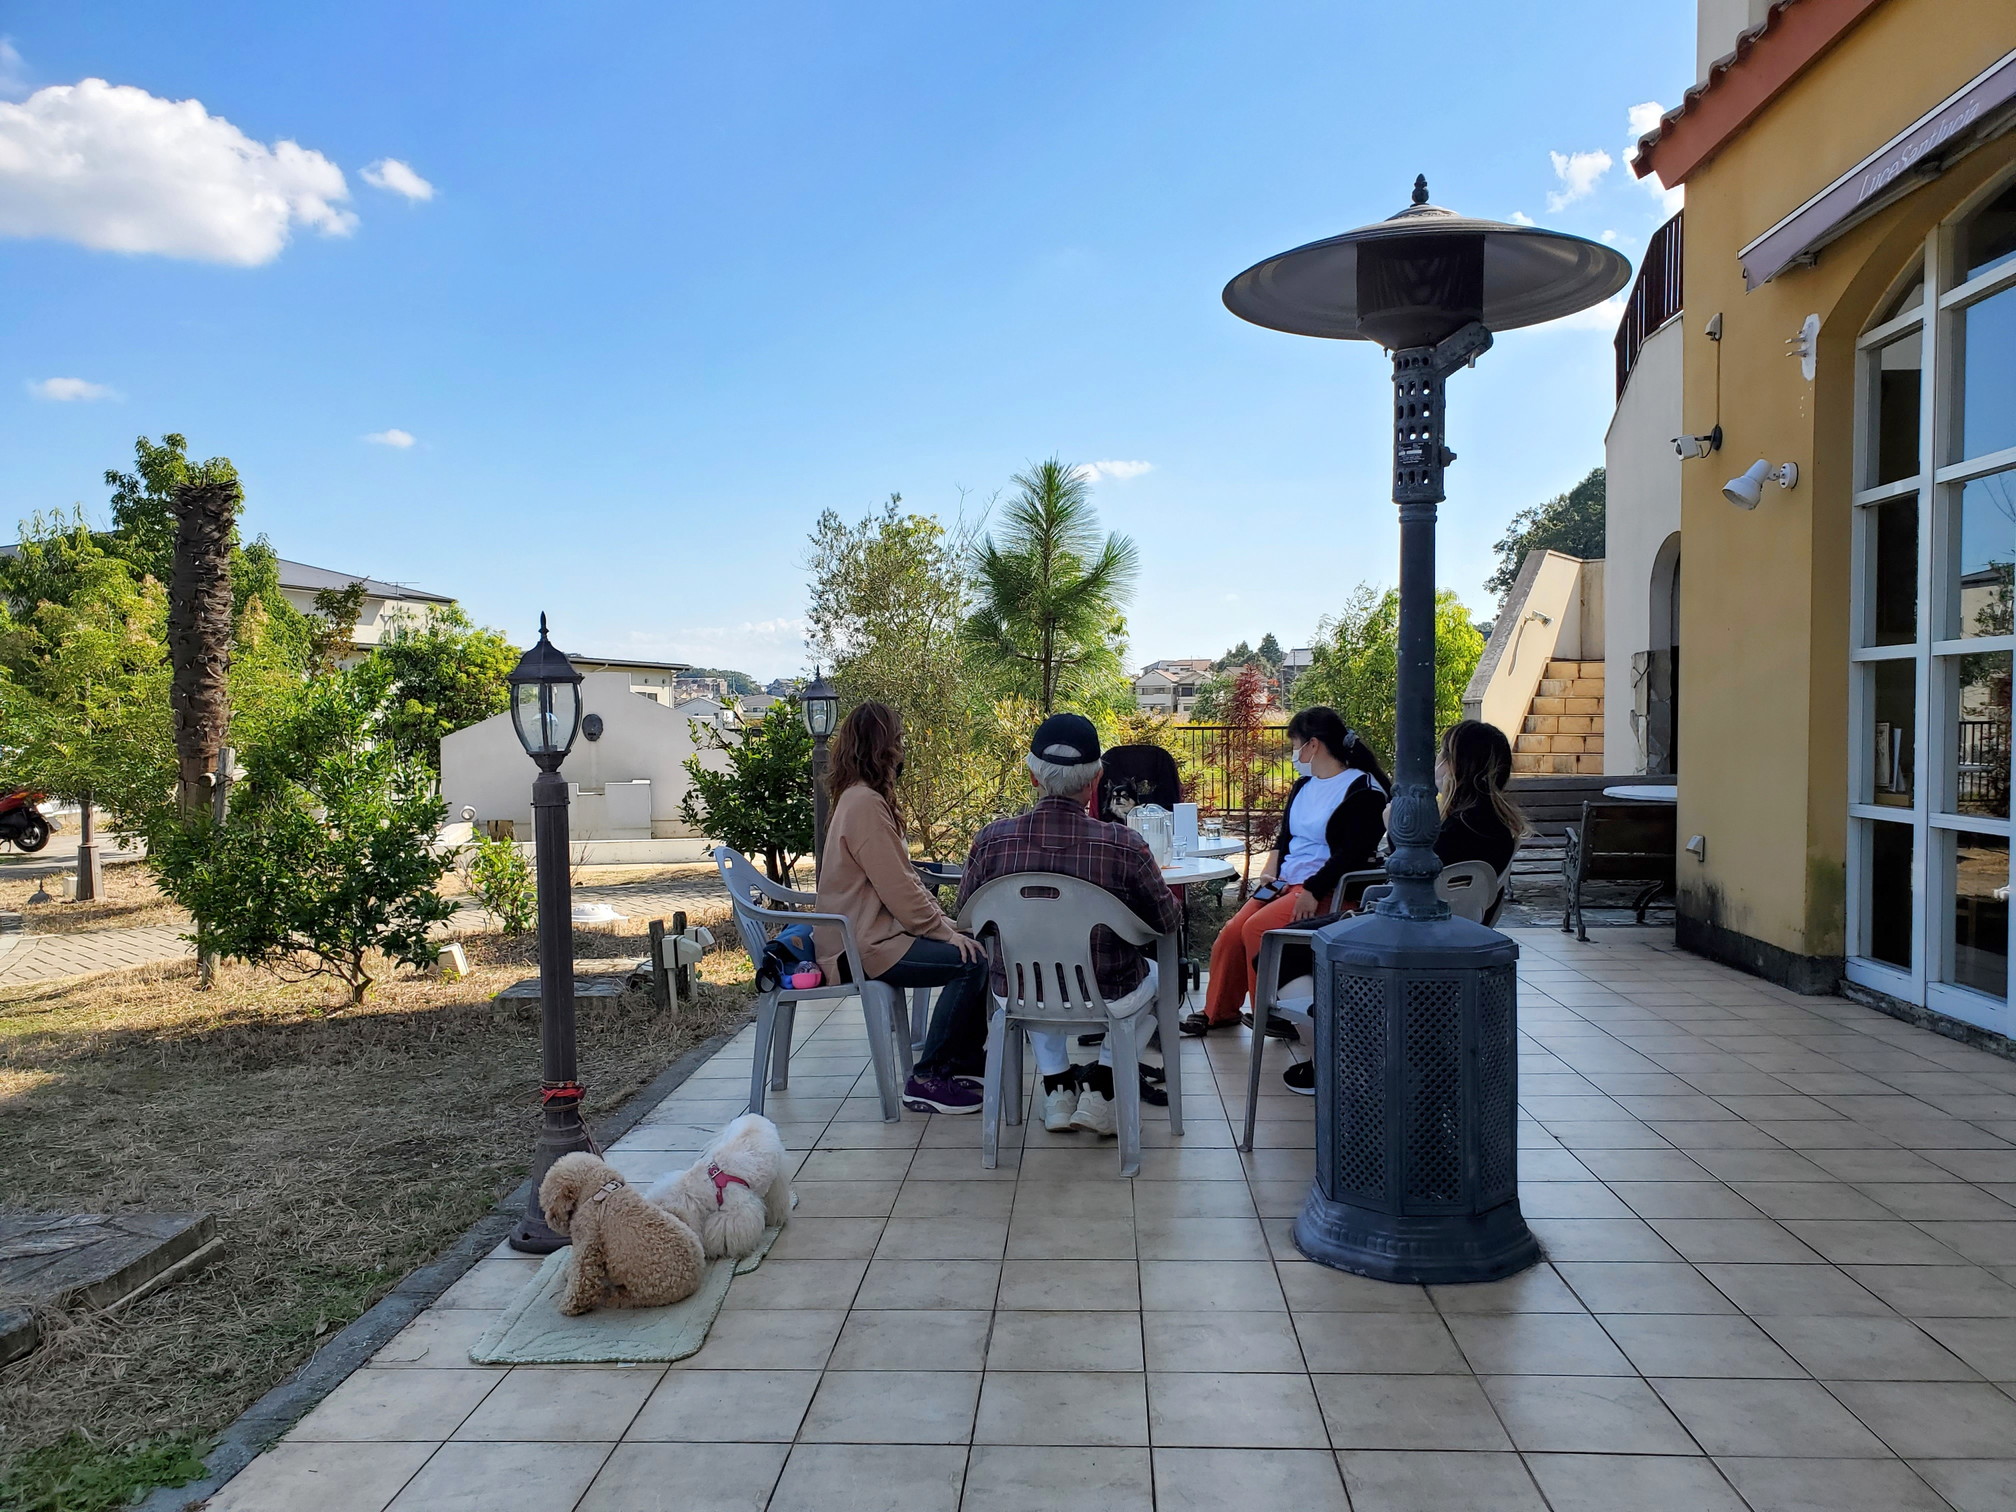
x: 1571, y: 523
x: 445, y: 675
x: 1270, y: 651
x: 762, y: 804
x: 1355, y: 668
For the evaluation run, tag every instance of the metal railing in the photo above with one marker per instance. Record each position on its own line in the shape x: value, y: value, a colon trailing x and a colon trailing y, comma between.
x: 1983, y: 769
x: 1229, y: 771
x: 1655, y: 297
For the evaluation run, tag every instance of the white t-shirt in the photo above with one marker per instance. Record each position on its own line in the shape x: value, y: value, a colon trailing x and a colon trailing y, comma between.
x: 1309, y: 821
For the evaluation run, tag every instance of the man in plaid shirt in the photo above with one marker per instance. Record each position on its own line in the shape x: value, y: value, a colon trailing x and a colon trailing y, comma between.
x: 1059, y: 835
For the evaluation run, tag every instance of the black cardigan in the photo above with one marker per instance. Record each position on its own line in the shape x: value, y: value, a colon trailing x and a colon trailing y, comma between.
x: 1353, y: 834
x: 1476, y: 834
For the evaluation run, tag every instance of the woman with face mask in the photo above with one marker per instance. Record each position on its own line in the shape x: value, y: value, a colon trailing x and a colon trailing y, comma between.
x: 1334, y: 820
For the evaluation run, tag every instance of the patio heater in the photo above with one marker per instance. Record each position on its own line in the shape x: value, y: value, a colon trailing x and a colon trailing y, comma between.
x: 546, y: 714
x: 819, y: 705
x: 1416, y: 1026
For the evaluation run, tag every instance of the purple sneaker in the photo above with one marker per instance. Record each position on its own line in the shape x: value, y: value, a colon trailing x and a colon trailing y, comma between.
x: 940, y: 1094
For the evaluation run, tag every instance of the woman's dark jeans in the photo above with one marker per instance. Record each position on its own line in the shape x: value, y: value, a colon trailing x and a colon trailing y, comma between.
x: 956, y: 1044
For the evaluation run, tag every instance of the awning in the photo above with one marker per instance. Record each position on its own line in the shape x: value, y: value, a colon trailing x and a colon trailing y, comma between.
x: 1972, y: 115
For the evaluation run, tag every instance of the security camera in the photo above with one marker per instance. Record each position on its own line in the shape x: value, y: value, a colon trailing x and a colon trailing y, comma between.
x: 1746, y: 491
x: 1690, y: 447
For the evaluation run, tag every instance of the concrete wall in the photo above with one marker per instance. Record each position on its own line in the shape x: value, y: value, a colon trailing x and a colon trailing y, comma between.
x: 484, y: 767
x: 375, y: 618
x: 1764, y: 593
x: 1641, y: 512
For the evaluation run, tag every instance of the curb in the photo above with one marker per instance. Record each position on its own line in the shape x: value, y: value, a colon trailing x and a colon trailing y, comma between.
x: 279, y: 1409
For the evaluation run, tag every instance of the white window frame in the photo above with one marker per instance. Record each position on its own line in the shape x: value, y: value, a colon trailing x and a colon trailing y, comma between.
x: 1936, y: 487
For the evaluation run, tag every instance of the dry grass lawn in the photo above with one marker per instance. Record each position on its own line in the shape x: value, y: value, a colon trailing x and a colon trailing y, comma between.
x: 338, y: 1148
x: 130, y: 901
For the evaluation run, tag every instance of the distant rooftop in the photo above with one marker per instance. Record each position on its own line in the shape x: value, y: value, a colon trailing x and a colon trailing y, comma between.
x: 299, y: 575
x: 627, y: 662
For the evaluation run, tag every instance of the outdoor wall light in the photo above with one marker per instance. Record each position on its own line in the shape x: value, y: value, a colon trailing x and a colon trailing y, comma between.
x: 545, y: 702
x: 1747, y: 491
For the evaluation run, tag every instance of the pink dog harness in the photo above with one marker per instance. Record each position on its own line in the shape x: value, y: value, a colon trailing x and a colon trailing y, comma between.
x: 721, y: 1180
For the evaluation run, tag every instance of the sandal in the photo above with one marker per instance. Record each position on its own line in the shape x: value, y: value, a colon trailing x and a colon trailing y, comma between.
x: 1196, y: 1025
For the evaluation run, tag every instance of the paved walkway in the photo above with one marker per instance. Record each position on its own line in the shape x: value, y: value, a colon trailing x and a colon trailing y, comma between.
x: 1781, y: 1252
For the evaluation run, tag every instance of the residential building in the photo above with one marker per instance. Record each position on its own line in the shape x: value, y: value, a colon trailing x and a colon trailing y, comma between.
x: 702, y: 687
x: 385, y: 604
x: 1170, y: 686
x: 654, y: 679
x: 1849, y: 323
x: 1293, y: 665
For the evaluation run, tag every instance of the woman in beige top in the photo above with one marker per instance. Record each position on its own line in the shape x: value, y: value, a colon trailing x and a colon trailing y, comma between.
x: 905, y: 938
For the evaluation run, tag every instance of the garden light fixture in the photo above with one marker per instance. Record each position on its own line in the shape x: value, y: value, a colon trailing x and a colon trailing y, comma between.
x: 1746, y: 489
x: 1416, y: 1024
x: 819, y: 706
x: 546, y: 713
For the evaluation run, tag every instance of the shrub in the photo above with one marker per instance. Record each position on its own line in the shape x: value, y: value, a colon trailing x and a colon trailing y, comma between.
x: 501, y: 878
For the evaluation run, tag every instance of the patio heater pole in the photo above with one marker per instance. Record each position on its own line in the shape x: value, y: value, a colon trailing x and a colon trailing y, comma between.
x: 1416, y: 1011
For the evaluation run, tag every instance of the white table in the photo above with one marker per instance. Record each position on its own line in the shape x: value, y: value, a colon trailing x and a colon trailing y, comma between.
x: 1229, y: 846
x: 1187, y: 869
x: 1645, y: 792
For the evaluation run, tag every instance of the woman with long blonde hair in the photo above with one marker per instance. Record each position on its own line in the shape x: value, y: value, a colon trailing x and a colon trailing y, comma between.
x: 906, y: 940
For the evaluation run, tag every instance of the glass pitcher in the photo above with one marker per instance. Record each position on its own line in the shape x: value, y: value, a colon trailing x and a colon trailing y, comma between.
x: 1157, y: 826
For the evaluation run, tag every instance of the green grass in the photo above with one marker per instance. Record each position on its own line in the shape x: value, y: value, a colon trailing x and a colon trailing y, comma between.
x: 76, y: 1475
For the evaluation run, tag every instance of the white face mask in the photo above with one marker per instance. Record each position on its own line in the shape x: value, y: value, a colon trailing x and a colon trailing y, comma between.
x: 1304, y: 768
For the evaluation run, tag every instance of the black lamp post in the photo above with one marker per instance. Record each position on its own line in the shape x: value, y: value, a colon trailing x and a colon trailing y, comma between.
x: 546, y: 713
x: 1416, y: 1031
x: 819, y: 703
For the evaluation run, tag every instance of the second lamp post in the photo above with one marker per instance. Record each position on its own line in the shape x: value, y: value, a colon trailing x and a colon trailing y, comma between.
x: 819, y: 703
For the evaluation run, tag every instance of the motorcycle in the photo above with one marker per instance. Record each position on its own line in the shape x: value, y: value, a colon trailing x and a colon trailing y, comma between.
x: 21, y: 821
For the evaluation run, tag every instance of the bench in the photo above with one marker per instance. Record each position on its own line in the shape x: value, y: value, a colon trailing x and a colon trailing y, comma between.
x: 1619, y: 841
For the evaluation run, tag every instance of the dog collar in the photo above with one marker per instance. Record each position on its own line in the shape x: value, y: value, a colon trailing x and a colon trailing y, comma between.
x: 607, y: 1188
x: 721, y: 1180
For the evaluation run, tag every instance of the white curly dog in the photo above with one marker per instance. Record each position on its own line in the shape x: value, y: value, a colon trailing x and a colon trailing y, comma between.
x: 735, y: 1190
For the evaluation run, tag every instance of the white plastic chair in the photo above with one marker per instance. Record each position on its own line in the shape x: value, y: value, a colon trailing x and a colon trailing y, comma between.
x: 1470, y: 888
x: 1043, y: 925
x: 762, y: 908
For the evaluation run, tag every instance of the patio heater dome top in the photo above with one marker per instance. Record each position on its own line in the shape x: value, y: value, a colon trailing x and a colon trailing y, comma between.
x: 1422, y: 275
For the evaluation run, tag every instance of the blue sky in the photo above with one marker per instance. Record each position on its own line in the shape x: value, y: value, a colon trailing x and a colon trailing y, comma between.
x: 686, y: 275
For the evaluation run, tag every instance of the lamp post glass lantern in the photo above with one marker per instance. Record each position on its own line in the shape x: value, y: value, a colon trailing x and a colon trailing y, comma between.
x: 819, y: 706
x: 546, y: 714
x: 1416, y: 1024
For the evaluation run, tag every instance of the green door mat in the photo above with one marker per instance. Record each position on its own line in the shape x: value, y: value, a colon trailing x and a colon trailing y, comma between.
x: 533, y: 1330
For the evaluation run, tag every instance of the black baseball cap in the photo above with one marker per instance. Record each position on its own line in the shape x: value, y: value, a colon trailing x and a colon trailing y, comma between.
x: 1067, y: 739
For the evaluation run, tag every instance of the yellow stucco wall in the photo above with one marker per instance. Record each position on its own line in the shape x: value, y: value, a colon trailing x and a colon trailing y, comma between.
x: 1765, y: 593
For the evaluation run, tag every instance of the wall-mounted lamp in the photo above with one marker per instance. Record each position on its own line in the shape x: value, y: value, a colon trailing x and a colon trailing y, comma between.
x: 1806, y: 346
x: 1747, y: 491
x: 1697, y: 847
x: 1690, y: 447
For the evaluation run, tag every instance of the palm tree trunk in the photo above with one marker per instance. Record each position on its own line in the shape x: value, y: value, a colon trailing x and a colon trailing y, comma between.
x: 199, y: 631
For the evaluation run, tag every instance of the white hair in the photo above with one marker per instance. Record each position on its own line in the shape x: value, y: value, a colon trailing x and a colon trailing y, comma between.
x: 1056, y: 780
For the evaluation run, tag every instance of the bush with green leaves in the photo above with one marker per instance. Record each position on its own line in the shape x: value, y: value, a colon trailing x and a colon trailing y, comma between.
x: 501, y: 878
x: 762, y: 805
x: 328, y: 856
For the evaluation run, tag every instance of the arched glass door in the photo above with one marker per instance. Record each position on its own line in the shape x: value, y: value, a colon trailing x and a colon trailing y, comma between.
x: 1934, y: 627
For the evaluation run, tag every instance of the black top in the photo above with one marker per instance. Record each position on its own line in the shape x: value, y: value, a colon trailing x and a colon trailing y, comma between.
x: 1476, y: 834
x: 1353, y: 834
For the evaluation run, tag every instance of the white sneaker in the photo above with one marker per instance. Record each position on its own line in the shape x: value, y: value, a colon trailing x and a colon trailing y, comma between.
x: 1096, y: 1114
x: 1059, y: 1107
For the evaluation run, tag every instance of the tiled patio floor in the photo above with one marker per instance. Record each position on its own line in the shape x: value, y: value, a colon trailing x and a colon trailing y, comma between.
x: 1781, y: 1248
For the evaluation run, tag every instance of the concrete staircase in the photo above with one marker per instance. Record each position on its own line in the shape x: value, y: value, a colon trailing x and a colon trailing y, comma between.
x: 1563, y: 730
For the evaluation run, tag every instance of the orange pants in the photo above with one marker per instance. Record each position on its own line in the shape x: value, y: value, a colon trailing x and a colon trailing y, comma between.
x: 1236, y: 953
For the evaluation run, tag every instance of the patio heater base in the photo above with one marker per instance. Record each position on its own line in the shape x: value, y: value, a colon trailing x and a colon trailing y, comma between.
x: 1417, y: 1176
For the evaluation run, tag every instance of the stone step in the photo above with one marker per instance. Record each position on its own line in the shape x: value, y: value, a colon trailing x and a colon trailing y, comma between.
x: 98, y: 1260
x: 1563, y: 724
x: 1562, y: 763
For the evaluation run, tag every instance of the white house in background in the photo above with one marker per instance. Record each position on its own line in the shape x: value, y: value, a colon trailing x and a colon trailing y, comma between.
x: 1170, y: 686
x: 654, y: 679
x: 385, y: 604
x: 625, y: 785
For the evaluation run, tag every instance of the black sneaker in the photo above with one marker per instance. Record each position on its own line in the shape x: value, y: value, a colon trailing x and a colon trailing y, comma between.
x: 1301, y: 1077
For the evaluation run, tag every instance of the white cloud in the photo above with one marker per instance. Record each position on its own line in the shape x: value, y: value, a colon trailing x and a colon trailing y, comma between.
x: 1579, y: 173
x: 1610, y: 238
x: 1600, y: 317
x: 1115, y: 470
x: 13, y: 71
x: 1642, y: 118
x: 397, y: 178
x: 117, y: 169
x: 1521, y: 218
x: 393, y: 437
x: 71, y: 390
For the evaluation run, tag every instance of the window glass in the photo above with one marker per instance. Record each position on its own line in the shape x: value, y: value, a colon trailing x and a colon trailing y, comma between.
x: 1981, y: 779
x: 1988, y: 556
x: 1898, y: 370
x: 1988, y: 375
x: 1887, y: 893
x: 1893, y: 572
x: 1980, y: 885
x: 1895, y: 706
x: 1989, y: 239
